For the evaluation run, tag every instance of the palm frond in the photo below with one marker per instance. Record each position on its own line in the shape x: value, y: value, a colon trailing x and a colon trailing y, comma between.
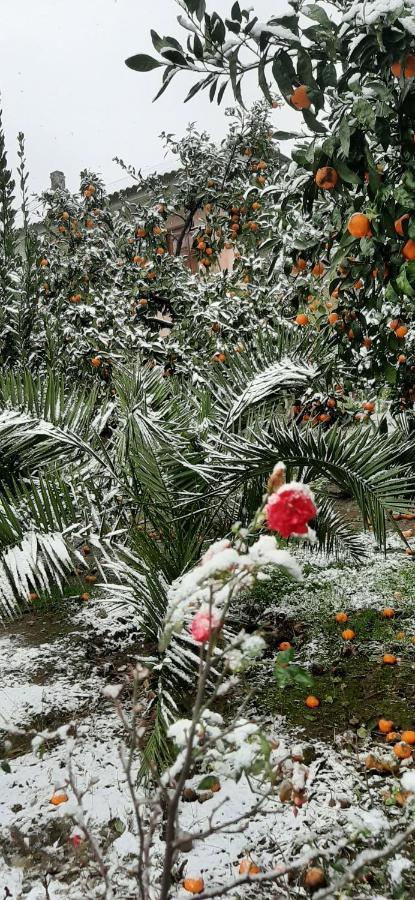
x: 334, y: 532
x: 371, y: 468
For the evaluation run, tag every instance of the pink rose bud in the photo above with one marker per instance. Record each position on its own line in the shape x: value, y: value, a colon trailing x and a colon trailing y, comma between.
x: 204, y: 623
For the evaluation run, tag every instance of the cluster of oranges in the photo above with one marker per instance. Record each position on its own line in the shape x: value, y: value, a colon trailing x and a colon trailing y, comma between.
x: 403, y: 742
x: 316, y: 411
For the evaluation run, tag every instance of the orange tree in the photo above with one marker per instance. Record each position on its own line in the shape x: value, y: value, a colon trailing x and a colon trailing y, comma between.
x: 349, y: 72
x: 105, y: 275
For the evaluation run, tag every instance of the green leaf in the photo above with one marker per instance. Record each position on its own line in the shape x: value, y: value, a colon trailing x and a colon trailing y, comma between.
x: 197, y: 47
x: 236, y: 12
x: 347, y: 174
x: 313, y: 123
x: 318, y: 14
x: 344, y: 135
x: 221, y: 92
x: 262, y: 79
x: 176, y: 58
x: 285, y: 135
x: 141, y: 62
x: 284, y: 73
x: 305, y: 68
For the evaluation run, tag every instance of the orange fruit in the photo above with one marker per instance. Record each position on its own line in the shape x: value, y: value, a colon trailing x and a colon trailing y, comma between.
x: 393, y: 737
x: 140, y: 232
x: 65, y: 215
x: 408, y: 737
x: 341, y: 617
x: 302, y: 319
x: 348, y: 634
x: 301, y: 264
x: 284, y: 645
x: 393, y: 324
x: 194, y: 885
x: 314, y: 878
x: 160, y: 251
x: 261, y: 165
x: 326, y: 178
x: 89, y: 223
x: 95, y: 362
x: 331, y: 403
x: 385, y: 725
x: 367, y: 342
x: 201, y: 245
x: 389, y: 659
x: 401, y: 332
x: 33, y: 597
x: 359, y: 225
x: 299, y: 99
x: 58, y: 797
x: 44, y: 262
x: 156, y: 230
x: 409, y: 249
x: 75, y: 298
x: 399, y: 224
x: 402, y: 750
x: 401, y: 359
x: 247, y: 867
x: 312, y: 702
x: 408, y: 70
x: 220, y: 357
x: 369, y: 406
x: 85, y: 596
x: 318, y: 270
x: 388, y: 612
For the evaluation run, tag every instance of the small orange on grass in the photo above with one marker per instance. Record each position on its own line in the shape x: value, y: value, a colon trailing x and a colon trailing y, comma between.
x: 312, y: 702
x: 389, y: 659
x: 402, y: 750
x: 348, y: 634
x: 408, y: 737
x: 284, y: 645
x: 96, y: 362
x: 392, y: 737
x: 388, y: 612
x: 385, y: 725
x: 302, y: 319
x: 341, y: 617
x: 84, y: 597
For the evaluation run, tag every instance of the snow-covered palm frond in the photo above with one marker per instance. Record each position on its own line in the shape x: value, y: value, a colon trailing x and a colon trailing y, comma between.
x: 33, y: 564
x: 269, y: 369
x: 376, y: 470
x: 287, y: 374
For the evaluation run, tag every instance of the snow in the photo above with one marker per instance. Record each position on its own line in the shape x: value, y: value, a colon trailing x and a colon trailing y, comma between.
x: 49, y: 679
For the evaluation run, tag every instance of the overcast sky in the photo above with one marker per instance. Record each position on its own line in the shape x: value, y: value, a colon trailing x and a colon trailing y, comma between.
x: 65, y: 85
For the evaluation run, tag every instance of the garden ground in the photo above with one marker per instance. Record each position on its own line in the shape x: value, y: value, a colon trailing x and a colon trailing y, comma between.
x: 55, y: 663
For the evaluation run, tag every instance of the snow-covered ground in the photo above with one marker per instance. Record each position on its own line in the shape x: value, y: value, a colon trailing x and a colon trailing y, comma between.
x: 53, y: 669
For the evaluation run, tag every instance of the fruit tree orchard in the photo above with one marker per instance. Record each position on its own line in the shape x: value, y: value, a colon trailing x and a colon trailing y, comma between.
x: 348, y: 69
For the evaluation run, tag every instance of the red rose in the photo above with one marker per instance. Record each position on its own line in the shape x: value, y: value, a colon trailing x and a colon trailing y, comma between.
x: 289, y: 510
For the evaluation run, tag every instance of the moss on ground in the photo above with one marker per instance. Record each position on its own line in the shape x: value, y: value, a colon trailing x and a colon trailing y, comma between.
x: 350, y: 679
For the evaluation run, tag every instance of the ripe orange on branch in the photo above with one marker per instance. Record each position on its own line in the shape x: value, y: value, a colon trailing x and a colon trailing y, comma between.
x: 359, y: 225
x: 399, y: 224
x: 409, y: 249
x: 299, y: 99
x: 326, y: 178
x: 408, y: 69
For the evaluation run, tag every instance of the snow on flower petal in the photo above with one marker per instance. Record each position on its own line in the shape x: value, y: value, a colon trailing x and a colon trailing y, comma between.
x: 205, y: 622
